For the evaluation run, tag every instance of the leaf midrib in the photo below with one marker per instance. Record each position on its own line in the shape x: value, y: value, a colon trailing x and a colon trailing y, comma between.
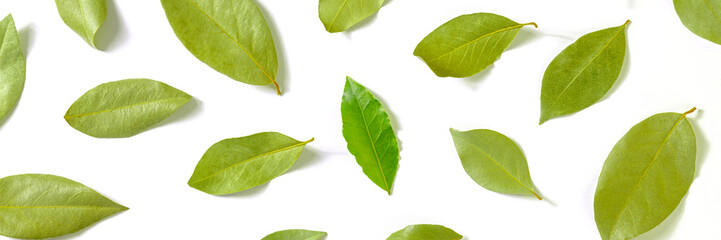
x: 712, y: 10
x: 123, y: 107
x: 272, y: 80
x: 370, y: 138
x: 253, y: 158
x: 330, y: 27
x: 41, y: 207
x: 479, y: 38
x: 643, y: 176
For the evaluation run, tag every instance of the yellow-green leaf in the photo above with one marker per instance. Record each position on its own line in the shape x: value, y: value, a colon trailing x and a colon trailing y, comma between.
x: 702, y: 17
x: 645, y: 176
x: 339, y: 15
x: 425, y: 232
x: 296, y: 234
x: 12, y: 66
x: 38, y: 206
x: 83, y: 16
x: 467, y: 44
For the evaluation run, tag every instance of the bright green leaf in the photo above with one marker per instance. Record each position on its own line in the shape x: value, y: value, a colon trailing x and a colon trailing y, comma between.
x: 295, y: 234
x: 37, y: 206
x: 467, y: 44
x: 645, y: 176
x: 425, y: 232
x: 369, y: 134
x: 124, y: 108
x: 231, y: 36
x: 12, y: 66
x: 583, y: 72
x: 238, y: 164
x: 702, y: 17
x: 339, y: 15
x: 83, y: 16
x: 494, y: 161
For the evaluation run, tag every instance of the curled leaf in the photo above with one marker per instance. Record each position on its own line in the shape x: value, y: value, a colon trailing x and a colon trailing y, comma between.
x: 493, y: 161
x: 12, y: 66
x: 467, y: 44
x: 38, y: 206
x: 425, y: 232
x: 296, y: 234
x: 702, y: 17
x: 83, y: 16
x: 230, y: 36
x: 645, y: 176
x: 339, y: 15
x: 238, y: 164
x: 124, y: 108
x: 369, y: 134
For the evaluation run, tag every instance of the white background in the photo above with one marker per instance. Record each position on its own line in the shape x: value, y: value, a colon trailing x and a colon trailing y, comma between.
x: 667, y: 68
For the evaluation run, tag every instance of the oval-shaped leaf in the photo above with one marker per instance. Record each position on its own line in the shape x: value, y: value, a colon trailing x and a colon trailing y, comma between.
x: 230, y: 36
x: 339, y: 15
x: 583, y: 72
x: 645, y: 176
x: 295, y: 234
x: 493, y: 161
x: 83, y: 16
x: 425, y: 232
x: 369, y: 134
x: 238, y: 164
x: 467, y: 44
x: 12, y: 66
x: 37, y: 206
x: 124, y: 108
x: 702, y: 17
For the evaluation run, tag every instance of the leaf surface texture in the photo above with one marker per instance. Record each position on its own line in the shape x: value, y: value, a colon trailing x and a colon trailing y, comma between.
x: 369, y: 134
x: 583, y: 72
x: 38, y: 206
x: 702, y: 17
x: 83, y: 16
x: 12, y: 66
x: 493, y: 161
x: 238, y: 164
x: 425, y: 232
x: 339, y: 15
x: 467, y: 44
x: 645, y: 176
x: 124, y: 108
x: 296, y: 234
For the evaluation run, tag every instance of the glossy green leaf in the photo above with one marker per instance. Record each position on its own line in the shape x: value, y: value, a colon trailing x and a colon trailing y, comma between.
x: 230, y: 36
x: 493, y: 161
x: 124, y: 108
x: 645, y: 176
x: 425, y: 232
x: 467, y: 44
x: 702, y: 17
x: 83, y: 16
x: 238, y: 164
x: 37, y: 206
x: 296, y: 234
x: 12, y: 66
x: 583, y: 72
x: 339, y: 15
x: 369, y: 134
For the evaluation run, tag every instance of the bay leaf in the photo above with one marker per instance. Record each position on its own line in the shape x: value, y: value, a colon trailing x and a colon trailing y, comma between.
x: 702, y: 17
x: 369, y: 134
x: 494, y: 161
x: 12, y: 66
x: 230, y: 36
x: 467, y: 44
x: 425, y: 232
x: 83, y: 16
x: 645, y: 176
x: 124, y: 108
x: 238, y: 164
x: 339, y: 15
x: 583, y: 72
x: 38, y: 206
x: 296, y: 234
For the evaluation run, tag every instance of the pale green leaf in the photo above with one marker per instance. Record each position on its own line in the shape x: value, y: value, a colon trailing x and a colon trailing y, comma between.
x: 230, y: 36
x: 645, y: 176
x: 124, y: 108
x: 238, y: 164
x: 583, y: 72
x: 493, y: 161
x: 369, y: 134
x: 12, y: 66
x: 702, y: 17
x: 83, y: 16
x: 339, y: 15
x: 425, y: 232
x: 467, y: 44
x: 38, y: 206
x: 296, y: 234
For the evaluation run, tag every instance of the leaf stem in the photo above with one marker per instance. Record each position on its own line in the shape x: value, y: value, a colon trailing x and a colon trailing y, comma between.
x: 689, y: 111
x: 627, y: 22
x: 277, y: 88
x: 534, y: 194
x: 531, y: 23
